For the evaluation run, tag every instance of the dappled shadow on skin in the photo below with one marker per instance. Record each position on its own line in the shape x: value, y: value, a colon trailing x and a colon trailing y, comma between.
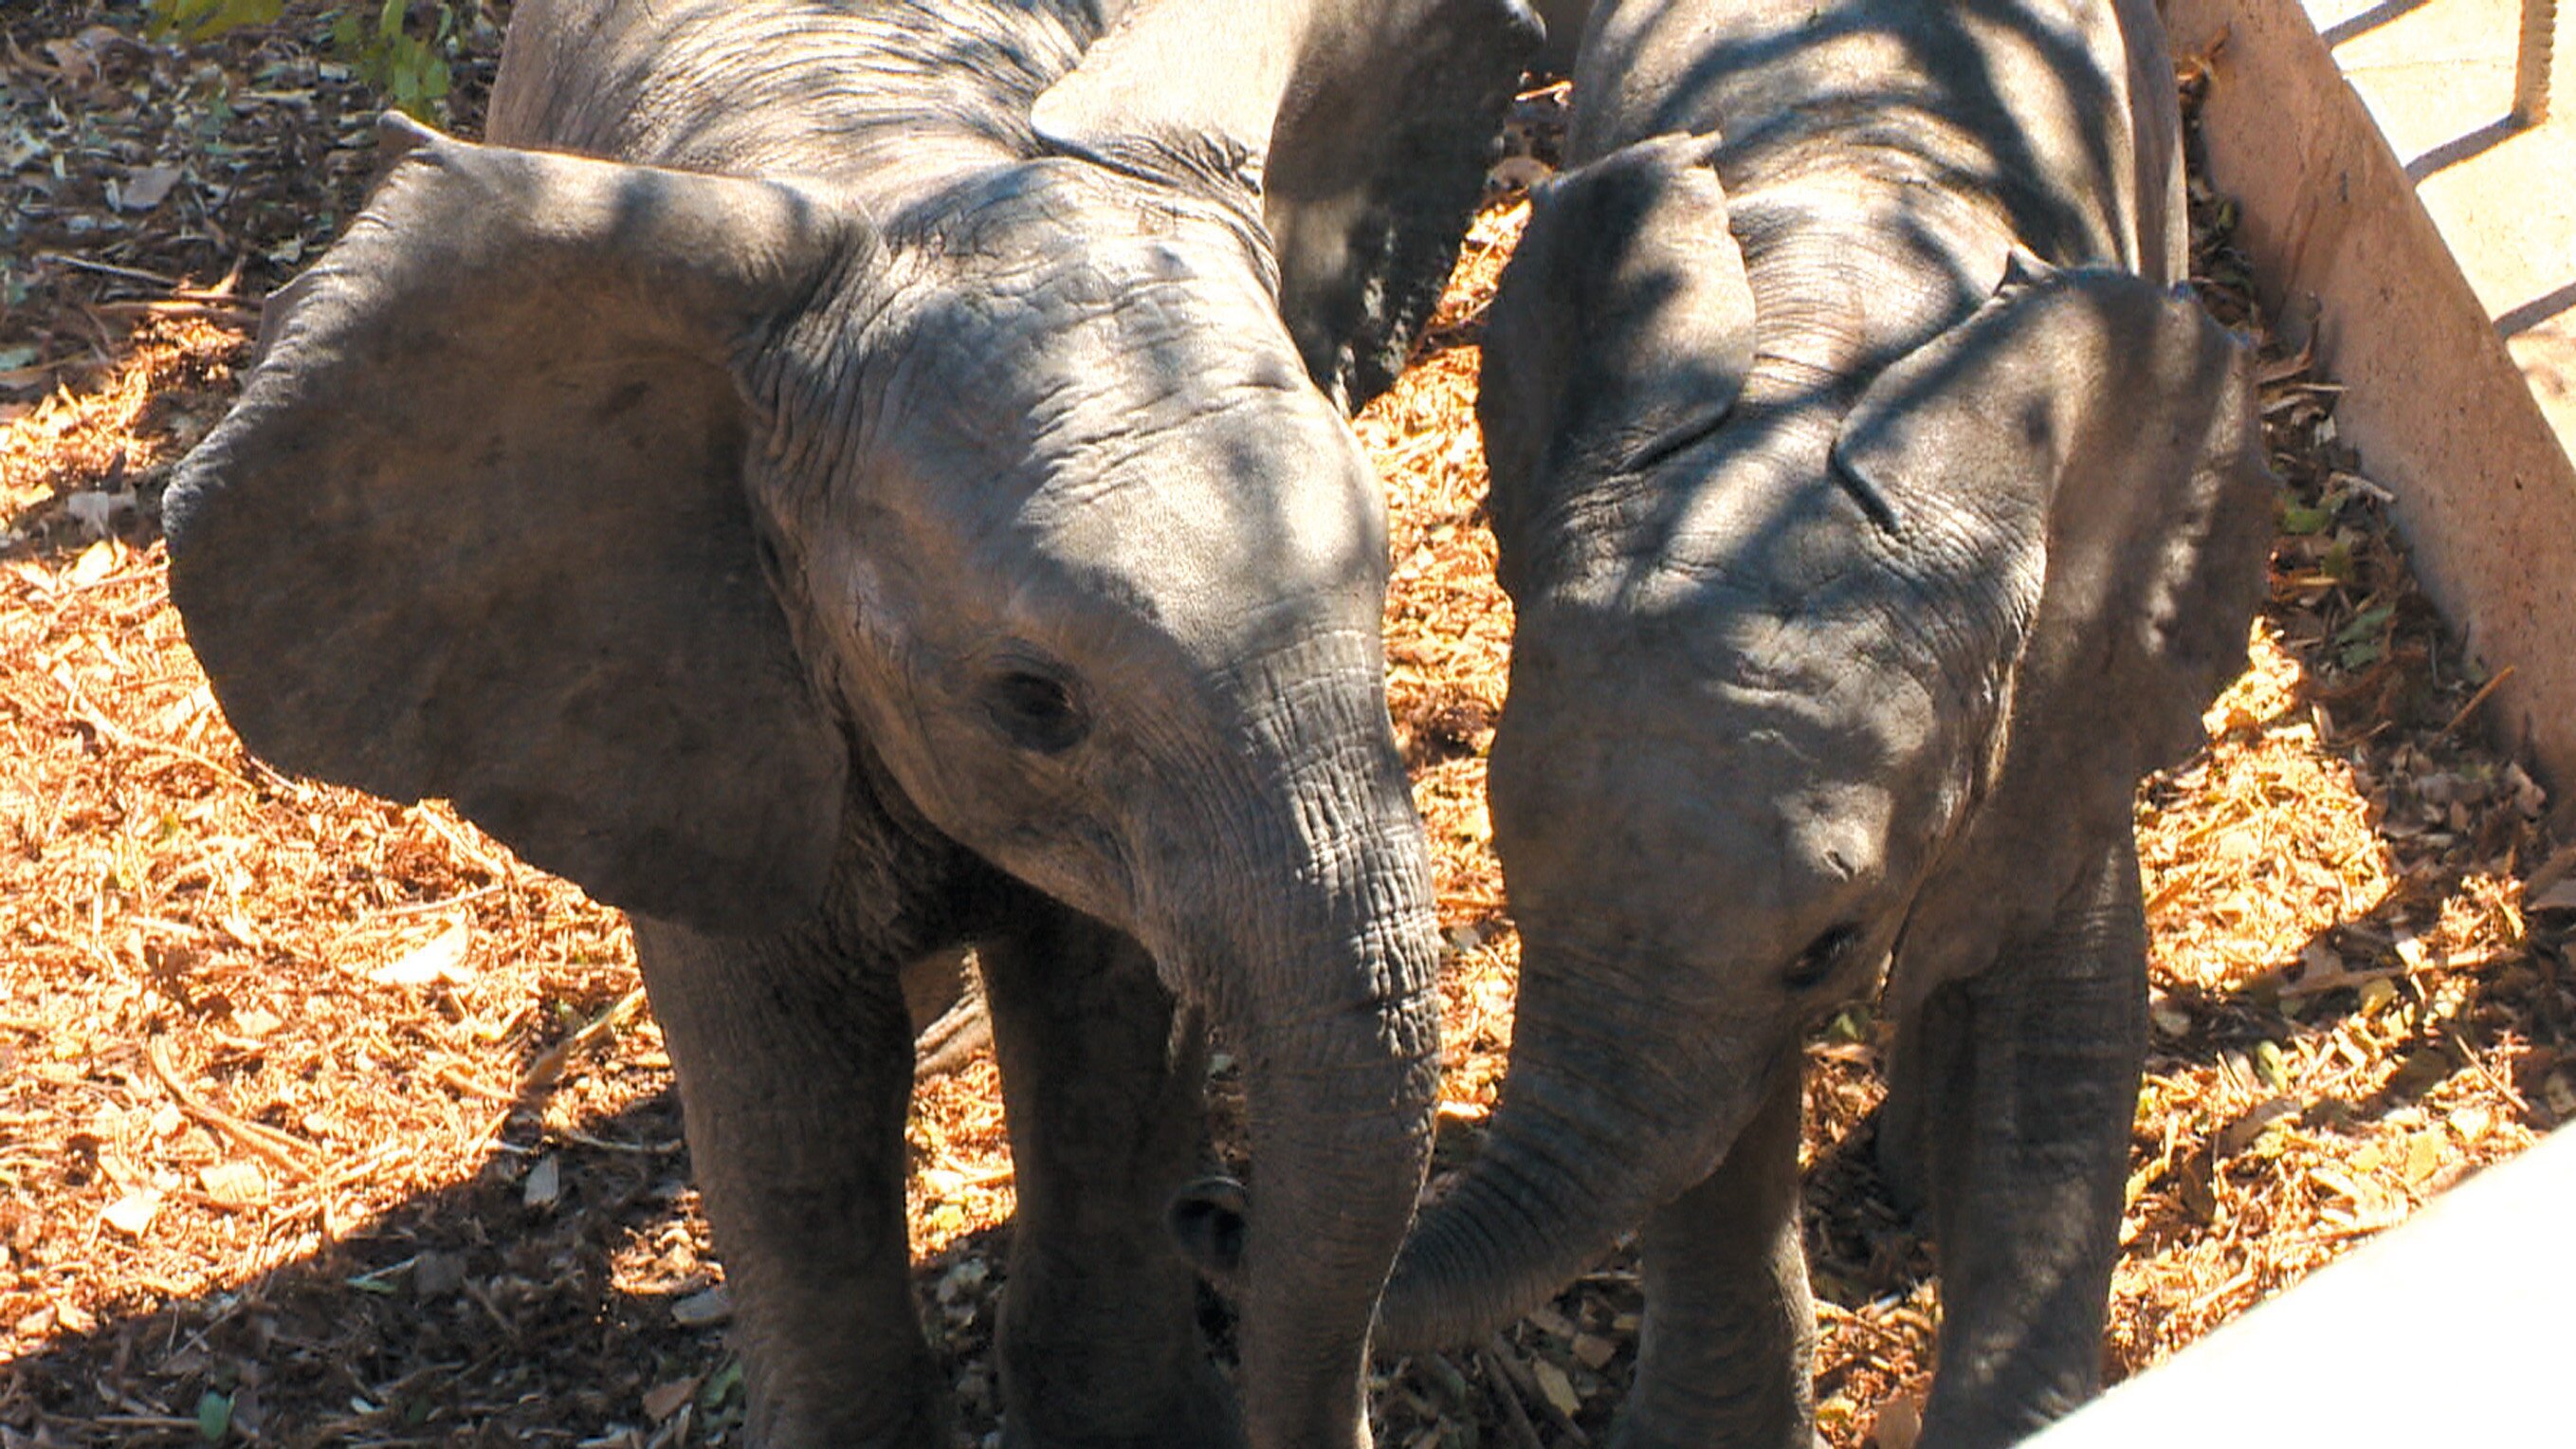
x: 500, y: 1310
x: 1954, y: 43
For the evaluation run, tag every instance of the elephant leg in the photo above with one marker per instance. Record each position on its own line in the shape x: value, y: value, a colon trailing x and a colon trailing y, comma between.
x: 795, y: 1068
x: 1727, y: 1354
x: 1925, y: 1069
x: 1099, y: 1341
x: 2030, y: 1163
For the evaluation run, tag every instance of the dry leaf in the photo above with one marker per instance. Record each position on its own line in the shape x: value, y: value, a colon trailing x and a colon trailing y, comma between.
x: 235, y: 1184
x: 95, y: 563
x: 2423, y: 1155
x: 703, y: 1309
x: 2169, y: 1018
x: 144, y: 189
x: 1899, y: 1423
x: 663, y: 1400
x: 440, y: 958
x: 435, y: 1275
x: 133, y: 1213
x: 1553, y: 1383
x: 545, y: 1182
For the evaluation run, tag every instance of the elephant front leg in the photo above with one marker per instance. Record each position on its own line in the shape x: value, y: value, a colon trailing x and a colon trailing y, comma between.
x: 1098, y: 1339
x: 2029, y: 1159
x: 1728, y: 1350
x: 795, y: 1069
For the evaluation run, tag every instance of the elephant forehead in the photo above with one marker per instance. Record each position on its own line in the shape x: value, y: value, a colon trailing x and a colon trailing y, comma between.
x: 1144, y: 324
x: 1060, y: 494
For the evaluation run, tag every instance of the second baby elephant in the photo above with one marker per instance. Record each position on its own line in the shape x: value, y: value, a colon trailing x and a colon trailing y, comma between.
x: 1877, y: 511
x: 841, y: 479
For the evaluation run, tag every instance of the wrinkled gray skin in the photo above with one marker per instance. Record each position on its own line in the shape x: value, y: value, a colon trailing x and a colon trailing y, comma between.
x: 900, y: 498
x: 1875, y: 516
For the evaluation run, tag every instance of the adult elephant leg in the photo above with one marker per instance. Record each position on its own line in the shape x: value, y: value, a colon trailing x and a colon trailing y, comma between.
x: 795, y: 1067
x: 1727, y: 1354
x: 1099, y: 1340
x: 2028, y: 1170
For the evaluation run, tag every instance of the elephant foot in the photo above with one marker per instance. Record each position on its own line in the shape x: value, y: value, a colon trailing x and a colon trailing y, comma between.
x: 1633, y: 1431
x: 918, y: 1419
x: 1195, y: 1408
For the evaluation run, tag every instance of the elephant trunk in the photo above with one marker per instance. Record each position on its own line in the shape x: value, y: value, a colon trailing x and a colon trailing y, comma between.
x: 1609, y: 1111
x: 1322, y: 987
x: 1340, y: 1143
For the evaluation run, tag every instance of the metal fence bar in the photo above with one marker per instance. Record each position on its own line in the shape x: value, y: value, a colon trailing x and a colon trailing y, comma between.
x: 2531, y: 62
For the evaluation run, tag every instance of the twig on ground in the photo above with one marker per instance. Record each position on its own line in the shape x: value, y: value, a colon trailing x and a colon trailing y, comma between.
x: 1499, y: 1353
x: 110, y: 269
x: 549, y: 1064
x: 641, y: 1149
x: 2494, y: 681
x: 1506, y: 1390
x: 286, y: 1154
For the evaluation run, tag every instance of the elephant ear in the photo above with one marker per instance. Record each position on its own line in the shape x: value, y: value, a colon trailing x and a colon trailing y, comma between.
x: 1622, y: 330
x: 1365, y: 125
x: 477, y: 527
x: 2082, y: 459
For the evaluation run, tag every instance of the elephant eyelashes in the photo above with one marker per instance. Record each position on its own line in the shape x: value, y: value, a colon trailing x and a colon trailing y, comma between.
x: 1035, y: 711
x: 1820, y: 958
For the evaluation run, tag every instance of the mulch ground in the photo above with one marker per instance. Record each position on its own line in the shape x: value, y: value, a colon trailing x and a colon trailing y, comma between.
x: 324, y: 1120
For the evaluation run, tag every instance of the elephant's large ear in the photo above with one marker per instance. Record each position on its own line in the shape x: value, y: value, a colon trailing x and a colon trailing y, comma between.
x: 476, y: 527
x: 1623, y: 327
x: 1366, y: 124
x: 2085, y: 449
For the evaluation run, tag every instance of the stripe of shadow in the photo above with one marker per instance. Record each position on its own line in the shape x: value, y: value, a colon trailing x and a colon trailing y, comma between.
x: 2368, y: 20
x: 2460, y: 148
x: 2536, y: 311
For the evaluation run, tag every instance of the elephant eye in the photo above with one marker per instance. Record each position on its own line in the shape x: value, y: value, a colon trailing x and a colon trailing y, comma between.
x: 1820, y: 958
x: 1035, y: 711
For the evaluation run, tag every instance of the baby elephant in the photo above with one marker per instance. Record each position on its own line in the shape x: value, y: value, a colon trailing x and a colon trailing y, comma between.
x: 845, y: 480
x: 1877, y: 510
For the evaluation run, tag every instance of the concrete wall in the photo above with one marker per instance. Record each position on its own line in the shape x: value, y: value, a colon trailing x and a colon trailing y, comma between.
x: 2438, y: 409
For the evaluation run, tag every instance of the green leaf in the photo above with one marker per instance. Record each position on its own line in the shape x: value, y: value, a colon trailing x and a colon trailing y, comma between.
x: 214, y: 1416
x: 721, y: 1385
x: 2366, y: 624
x: 2269, y: 1067
x: 2299, y: 518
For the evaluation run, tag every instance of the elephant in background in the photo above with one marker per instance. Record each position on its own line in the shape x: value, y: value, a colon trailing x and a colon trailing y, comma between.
x: 1877, y: 508
x: 845, y: 479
